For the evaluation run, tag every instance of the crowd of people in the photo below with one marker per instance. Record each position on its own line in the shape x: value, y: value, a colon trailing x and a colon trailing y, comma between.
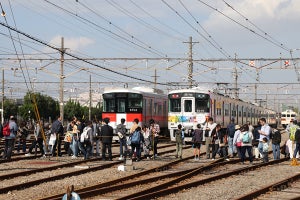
x: 242, y: 141
x: 81, y: 139
x: 94, y: 138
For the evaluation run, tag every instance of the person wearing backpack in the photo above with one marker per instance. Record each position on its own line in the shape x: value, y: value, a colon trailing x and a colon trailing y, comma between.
x: 10, y: 139
x: 246, y: 137
x: 276, y: 140
x: 179, y: 136
x: 230, y: 132
x: 106, y: 135
x: 85, y: 140
x: 57, y: 129
x: 136, y: 139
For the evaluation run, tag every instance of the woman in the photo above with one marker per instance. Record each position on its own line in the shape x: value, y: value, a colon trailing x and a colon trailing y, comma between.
x: 246, y: 137
x: 236, y: 140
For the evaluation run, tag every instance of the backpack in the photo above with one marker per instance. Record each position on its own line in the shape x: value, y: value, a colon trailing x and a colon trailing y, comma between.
x: 178, y: 135
x: 293, y: 130
x: 246, y: 137
x: 84, y: 135
x: 135, y: 138
x: 6, y: 130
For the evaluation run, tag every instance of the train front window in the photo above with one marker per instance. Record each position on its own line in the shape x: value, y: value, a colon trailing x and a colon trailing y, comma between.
x: 188, y: 104
x: 121, y: 105
x: 175, y: 105
x: 108, y: 105
x: 202, y: 105
x: 135, y: 100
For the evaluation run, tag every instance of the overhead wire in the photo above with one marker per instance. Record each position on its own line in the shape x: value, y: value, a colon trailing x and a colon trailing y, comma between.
x: 159, y: 21
x: 244, y: 26
x: 196, y: 30
x: 76, y: 57
x: 197, y: 22
x: 119, y: 28
x: 249, y: 21
x: 108, y: 32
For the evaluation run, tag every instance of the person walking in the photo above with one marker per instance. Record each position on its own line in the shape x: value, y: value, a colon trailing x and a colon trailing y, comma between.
x: 237, y: 141
x: 10, y: 139
x: 179, y: 136
x: 106, y: 136
x: 38, y: 139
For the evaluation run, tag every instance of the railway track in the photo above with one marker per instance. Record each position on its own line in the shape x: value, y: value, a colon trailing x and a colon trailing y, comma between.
x: 99, y: 166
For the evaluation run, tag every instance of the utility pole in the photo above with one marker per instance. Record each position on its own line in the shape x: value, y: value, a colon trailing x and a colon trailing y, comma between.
x: 190, y: 65
x: 235, y: 76
x: 61, y: 86
x: 255, y: 86
x: 2, y: 105
x: 90, y: 104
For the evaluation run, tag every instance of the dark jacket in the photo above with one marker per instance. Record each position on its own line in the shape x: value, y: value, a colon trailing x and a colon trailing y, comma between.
x: 297, y: 136
x: 198, y: 136
x: 57, y: 127
x: 106, y: 134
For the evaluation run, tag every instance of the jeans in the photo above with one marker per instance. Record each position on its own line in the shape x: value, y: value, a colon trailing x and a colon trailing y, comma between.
x: 9, y: 145
x: 297, y: 149
x: 74, y: 147
x: 243, y: 153
x: 276, y: 151
x: 123, y: 145
x: 137, y: 148
x: 22, y: 142
x: 215, y: 149
x: 231, y: 147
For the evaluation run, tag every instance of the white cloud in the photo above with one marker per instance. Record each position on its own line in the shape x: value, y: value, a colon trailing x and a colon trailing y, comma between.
x: 72, y: 43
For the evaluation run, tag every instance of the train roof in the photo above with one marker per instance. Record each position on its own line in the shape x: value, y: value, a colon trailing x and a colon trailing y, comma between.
x: 194, y: 90
x: 139, y: 90
x: 288, y: 111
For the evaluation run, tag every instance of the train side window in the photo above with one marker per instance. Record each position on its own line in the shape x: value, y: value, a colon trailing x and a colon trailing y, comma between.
x: 109, y: 105
x: 188, y: 106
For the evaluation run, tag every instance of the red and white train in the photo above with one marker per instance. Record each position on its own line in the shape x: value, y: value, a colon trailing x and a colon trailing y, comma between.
x: 189, y: 107
x: 139, y: 102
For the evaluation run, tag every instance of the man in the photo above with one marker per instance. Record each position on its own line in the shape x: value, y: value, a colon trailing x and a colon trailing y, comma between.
x: 276, y: 140
x: 106, y: 135
x: 179, y: 136
x: 264, y: 131
x: 121, y: 131
x: 208, y: 127
x: 38, y: 139
x: 58, y: 129
x: 96, y: 138
x: 230, y: 133
x: 10, y: 139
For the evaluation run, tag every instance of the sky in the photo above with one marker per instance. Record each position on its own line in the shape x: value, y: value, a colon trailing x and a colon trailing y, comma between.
x: 129, y: 42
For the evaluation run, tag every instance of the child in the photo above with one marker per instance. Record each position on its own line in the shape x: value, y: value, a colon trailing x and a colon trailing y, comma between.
x: 265, y: 150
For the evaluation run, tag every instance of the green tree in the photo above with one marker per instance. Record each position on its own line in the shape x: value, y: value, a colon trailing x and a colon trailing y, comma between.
x: 10, y: 108
x: 71, y: 109
x: 47, y: 106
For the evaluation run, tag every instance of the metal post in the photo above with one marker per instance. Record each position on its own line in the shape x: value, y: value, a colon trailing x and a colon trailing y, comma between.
x: 61, y: 96
x: 2, y: 105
